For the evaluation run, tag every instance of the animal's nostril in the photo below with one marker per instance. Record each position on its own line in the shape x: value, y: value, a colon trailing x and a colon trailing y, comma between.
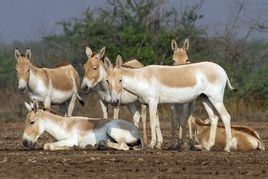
x: 25, y: 143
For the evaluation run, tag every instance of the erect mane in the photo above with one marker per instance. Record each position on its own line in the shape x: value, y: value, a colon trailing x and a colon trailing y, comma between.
x: 244, y: 129
x: 133, y: 63
x: 61, y: 64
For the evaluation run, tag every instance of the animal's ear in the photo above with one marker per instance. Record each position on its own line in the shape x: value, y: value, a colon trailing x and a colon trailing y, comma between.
x: 119, y: 61
x: 174, y: 45
x: 107, y: 63
x: 16, y: 53
x: 101, y: 52
x: 186, y: 44
x: 28, y: 106
x: 88, y: 52
x: 28, y: 53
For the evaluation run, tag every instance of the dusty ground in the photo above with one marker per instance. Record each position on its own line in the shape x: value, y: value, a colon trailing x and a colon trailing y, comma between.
x: 16, y: 161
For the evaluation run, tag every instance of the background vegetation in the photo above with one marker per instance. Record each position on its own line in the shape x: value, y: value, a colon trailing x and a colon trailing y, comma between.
x: 143, y: 30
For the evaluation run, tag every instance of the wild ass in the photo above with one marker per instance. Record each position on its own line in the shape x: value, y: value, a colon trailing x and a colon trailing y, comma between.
x: 95, y: 75
x: 243, y: 138
x: 48, y: 85
x: 78, y: 131
x: 156, y: 84
x: 181, y: 113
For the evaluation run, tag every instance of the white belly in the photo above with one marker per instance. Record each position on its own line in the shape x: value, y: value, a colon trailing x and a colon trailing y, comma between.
x: 58, y: 96
x: 93, y: 137
x: 178, y: 95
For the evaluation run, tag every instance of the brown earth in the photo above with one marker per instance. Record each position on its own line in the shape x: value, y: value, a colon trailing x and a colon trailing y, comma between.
x: 17, y: 161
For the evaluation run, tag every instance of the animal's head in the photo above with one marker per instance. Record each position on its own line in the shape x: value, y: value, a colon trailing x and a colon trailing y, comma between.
x: 114, y: 79
x: 179, y: 54
x: 23, y: 68
x: 92, y: 69
x: 199, y: 125
x: 33, y: 128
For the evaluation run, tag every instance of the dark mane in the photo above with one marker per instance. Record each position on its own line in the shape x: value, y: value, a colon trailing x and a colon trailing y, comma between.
x: 61, y: 64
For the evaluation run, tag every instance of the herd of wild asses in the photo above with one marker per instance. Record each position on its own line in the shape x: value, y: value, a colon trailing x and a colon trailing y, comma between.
x: 130, y: 84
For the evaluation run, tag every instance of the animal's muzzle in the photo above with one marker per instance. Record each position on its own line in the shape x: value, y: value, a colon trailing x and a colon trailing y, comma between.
x: 86, y: 89
x: 28, y: 144
x: 114, y: 102
x: 22, y: 90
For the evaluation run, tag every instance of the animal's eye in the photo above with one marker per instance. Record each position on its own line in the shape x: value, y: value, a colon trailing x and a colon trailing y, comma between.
x: 120, y: 81
x: 28, y: 70
x: 15, y: 69
x: 32, y: 122
x: 95, y: 68
x: 107, y: 81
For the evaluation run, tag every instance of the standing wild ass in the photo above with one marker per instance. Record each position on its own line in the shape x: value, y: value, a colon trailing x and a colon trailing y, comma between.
x: 48, y: 85
x: 78, y: 131
x: 156, y: 84
x: 185, y: 110
x: 95, y: 75
x: 243, y: 138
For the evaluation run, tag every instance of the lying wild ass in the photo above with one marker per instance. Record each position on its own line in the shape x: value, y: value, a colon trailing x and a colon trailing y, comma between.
x: 48, y: 85
x: 78, y: 131
x: 156, y: 84
x: 243, y: 138
x: 181, y: 113
x: 95, y: 75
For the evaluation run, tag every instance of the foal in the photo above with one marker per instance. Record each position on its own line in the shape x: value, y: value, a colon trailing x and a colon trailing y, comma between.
x: 48, y: 85
x: 95, y: 75
x: 79, y: 131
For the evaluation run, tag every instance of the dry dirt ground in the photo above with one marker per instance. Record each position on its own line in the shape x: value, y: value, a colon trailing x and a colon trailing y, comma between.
x: 17, y: 161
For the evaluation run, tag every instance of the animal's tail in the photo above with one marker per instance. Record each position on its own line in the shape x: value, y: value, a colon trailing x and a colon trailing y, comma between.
x: 230, y: 86
x: 81, y: 101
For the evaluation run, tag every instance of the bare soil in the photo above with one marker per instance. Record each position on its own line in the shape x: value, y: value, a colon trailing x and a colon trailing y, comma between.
x: 17, y: 161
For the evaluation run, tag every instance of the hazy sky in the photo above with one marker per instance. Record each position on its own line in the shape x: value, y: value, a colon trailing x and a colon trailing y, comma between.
x: 31, y: 19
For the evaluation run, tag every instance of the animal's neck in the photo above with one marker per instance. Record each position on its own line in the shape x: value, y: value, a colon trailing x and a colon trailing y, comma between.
x: 131, y: 80
x: 55, y: 125
x: 33, y: 77
x: 103, y: 76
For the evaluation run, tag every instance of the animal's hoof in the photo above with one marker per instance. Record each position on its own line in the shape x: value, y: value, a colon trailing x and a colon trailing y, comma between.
x: 47, y: 147
x: 158, y: 146
x: 151, y: 146
x: 227, y: 149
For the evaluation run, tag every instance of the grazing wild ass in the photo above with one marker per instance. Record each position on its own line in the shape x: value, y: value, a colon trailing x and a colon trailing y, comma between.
x: 181, y: 113
x: 95, y: 75
x: 48, y: 85
x: 243, y: 138
x: 156, y: 84
x: 79, y: 131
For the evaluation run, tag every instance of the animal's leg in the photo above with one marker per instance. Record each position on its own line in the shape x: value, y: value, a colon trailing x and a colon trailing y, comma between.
x: 116, y: 112
x: 71, y: 105
x: 60, y: 145
x: 191, y: 117
x: 117, y: 146
x: 104, y: 108
x: 153, y: 111
x: 63, y: 108
x: 226, y: 119
x: 47, y: 103
x: 174, y: 125
x: 158, y: 133
x: 135, y: 113
x: 214, y: 121
x: 143, y: 118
